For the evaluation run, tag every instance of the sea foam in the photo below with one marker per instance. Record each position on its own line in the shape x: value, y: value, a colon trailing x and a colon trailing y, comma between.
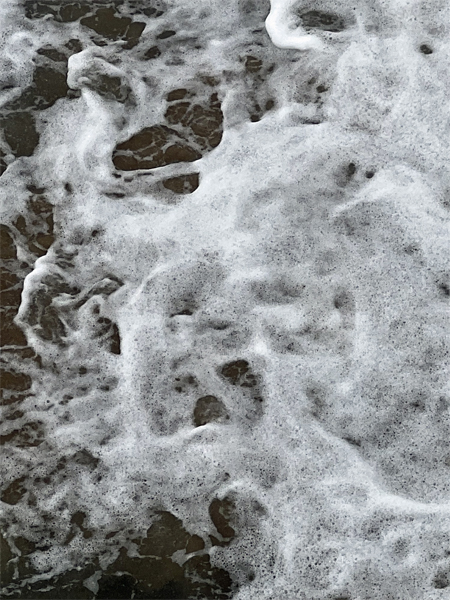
x: 225, y: 240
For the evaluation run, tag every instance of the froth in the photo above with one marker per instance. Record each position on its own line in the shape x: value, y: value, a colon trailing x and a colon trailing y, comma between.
x: 226, y: 300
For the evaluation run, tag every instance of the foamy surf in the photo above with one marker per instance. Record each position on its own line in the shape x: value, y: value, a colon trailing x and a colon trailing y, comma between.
x: 225, y: 299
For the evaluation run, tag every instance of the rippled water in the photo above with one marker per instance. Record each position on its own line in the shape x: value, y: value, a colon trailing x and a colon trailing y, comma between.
x: 225, y: 290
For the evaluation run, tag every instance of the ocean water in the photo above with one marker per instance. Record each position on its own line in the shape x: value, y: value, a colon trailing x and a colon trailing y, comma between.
x: 225, y: 299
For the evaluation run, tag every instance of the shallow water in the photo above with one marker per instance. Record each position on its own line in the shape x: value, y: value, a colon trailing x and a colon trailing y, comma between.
x: 225, y: 292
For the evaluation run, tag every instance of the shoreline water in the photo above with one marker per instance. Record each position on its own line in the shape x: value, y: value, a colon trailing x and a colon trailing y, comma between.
x: 225, y: 294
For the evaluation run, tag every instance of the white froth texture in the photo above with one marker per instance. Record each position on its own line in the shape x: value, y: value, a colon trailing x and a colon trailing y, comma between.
x: 226, y: 299
x: 285, y: 32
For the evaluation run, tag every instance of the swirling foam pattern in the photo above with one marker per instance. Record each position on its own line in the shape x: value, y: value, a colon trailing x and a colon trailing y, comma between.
x: 225, y: 294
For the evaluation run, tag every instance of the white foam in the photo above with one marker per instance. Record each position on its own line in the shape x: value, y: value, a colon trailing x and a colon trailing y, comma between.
x: 283, y: 32
x: 313, y: 248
